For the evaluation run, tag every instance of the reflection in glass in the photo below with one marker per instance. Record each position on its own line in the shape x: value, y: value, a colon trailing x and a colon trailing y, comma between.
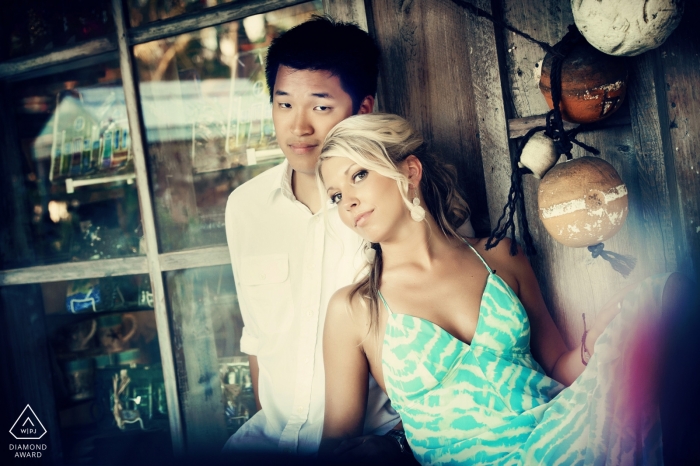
x: 208, y: 120
x: 35, y: 26
x: 105, y: 359
x: 215, y: 385
x: 75, y: 165
x: 146, y: 11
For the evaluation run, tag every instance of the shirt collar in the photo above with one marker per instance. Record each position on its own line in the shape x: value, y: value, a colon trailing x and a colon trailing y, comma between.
x: 283, y: 185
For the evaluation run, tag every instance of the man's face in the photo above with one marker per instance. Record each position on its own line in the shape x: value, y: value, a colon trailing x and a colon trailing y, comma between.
x: 305, y: 106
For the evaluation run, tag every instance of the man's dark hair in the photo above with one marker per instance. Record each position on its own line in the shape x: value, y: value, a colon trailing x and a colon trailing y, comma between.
x: 322, y: 44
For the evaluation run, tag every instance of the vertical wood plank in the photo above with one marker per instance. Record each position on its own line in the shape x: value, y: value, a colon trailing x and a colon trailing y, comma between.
x: 349, y: 11
x: 651, y: 145
x: 149, y: 229
x: 487, y: 86
x: 680, y: 82
x: 425, y: 77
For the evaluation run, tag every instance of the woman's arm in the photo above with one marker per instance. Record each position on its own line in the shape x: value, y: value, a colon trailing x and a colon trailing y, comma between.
x: 546, y: 342
x: 347, y: 374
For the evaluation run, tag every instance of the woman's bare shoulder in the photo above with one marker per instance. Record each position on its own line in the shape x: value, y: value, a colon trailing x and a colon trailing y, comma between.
x: 347, y: 307
x: 501, y: 252
x: 500, y: 259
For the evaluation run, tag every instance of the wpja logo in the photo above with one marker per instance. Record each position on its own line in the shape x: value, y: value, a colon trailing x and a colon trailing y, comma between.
x: 28, y: 427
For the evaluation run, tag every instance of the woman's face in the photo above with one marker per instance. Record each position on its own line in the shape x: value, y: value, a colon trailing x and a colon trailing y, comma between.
x: 368, y: 203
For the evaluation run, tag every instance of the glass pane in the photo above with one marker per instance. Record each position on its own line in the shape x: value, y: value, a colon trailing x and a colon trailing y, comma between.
x: 208, y: 120
x: 72, y: 171
x: 216, y: 392
x: 105, y: 372
x: 34, y: 26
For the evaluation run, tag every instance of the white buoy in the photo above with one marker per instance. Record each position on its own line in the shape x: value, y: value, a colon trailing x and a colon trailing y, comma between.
x: 538, y: 155
x: 626, y: 27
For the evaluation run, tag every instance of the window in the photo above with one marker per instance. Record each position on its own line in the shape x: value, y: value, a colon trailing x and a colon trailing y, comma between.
x: 115, y: 279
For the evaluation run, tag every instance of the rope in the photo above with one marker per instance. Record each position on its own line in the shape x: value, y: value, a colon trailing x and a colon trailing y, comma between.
x: 621, y: 263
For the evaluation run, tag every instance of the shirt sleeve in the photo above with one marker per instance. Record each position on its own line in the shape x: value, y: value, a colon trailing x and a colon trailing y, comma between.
x: 249, y: 339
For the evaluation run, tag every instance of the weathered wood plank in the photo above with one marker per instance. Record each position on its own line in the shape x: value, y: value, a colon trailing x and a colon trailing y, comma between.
x: 487, y: 85
x: 205, y: 18
x: 518, y: 127
x: 350, y: 11
x: 425, y: 77
x: 546, y: 21
x: 35, y: 62
x: 149, y: 230
x: 74, y: 271
x: 648, y: 128
x: 191, y: 258
x: 680, y: 58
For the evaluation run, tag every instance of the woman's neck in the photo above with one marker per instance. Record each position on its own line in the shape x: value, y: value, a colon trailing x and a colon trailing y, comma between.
x: 418, y: 243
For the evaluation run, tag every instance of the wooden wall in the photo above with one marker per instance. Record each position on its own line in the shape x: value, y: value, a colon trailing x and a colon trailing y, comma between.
x: 465, y: 83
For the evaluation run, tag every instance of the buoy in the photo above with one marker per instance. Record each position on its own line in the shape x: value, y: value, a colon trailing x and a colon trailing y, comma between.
x: 593, y: 84
x: 538, y: 155
x: 626, y: 27
x: 582, y: 202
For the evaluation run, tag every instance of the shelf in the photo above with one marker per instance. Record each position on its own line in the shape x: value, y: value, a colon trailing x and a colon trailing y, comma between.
x: 71, y: 184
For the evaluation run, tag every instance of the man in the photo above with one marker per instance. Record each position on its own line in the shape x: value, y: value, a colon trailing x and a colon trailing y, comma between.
x: 290, y: 253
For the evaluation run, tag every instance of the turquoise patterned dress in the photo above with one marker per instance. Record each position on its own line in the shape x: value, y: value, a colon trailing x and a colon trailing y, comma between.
x: 491, y: 403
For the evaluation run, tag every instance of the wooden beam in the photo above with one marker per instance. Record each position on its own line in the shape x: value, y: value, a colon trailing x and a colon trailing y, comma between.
x: 679, y: 105
x: 74, y: 271
x: 36, y: 62
x: 425, y: 78
x: 192, y: 258
x: 518, y: 127
x: 487, y: 86
x: 149, y: 231
x: 651, y: 142
x: 205, y: 18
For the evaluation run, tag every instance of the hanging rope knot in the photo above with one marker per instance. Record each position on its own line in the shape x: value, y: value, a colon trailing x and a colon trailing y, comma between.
x: 563, y: 146
x: 621, y: 263
x: 596, y: 249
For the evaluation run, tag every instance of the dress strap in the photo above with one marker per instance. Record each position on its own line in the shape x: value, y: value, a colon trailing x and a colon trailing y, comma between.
x: 479, y: 256
x: 381, y: 296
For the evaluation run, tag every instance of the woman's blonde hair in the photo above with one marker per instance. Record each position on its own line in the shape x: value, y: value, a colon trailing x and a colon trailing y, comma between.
x: 380, y: 142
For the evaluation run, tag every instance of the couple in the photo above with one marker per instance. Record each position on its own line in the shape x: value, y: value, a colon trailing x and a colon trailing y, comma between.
x: 457, y: 336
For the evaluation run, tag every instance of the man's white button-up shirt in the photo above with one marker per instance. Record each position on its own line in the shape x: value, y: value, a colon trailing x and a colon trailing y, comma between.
x: 287, y: 263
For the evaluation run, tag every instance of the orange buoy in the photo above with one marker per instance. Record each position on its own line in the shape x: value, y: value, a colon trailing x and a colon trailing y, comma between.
x: 593, y: 84
x: 582, y: 202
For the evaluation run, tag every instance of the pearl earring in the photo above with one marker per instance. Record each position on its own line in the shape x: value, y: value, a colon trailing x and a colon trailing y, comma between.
x: 417, y: 212
x: 370, y: 254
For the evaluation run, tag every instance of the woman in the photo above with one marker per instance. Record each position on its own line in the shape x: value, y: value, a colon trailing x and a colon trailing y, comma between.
x: 459, y: 337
